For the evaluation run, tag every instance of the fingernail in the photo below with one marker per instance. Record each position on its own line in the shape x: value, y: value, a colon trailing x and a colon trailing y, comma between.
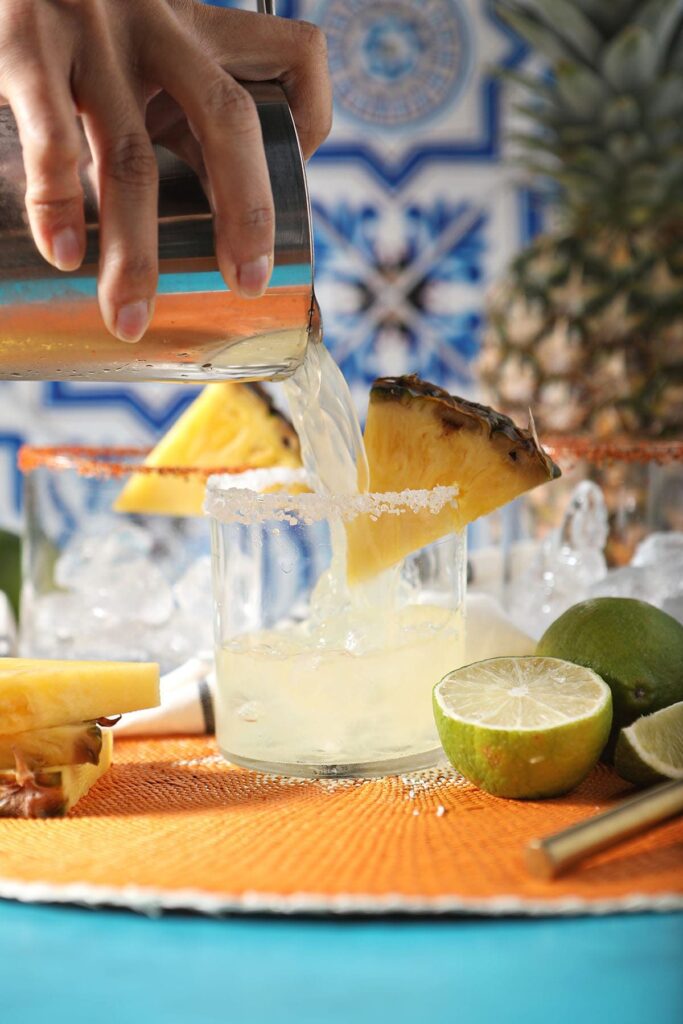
x: 66, y: 249
x: 253, y: 277
x: 132, y: 320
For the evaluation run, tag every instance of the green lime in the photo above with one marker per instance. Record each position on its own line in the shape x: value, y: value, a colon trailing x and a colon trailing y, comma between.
x: 635, y: 647
x: 10, y: 567
x: 523, y: 727
x: 651, y: 750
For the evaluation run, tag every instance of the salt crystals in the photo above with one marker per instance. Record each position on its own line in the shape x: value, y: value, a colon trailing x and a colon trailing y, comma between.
x: 228, y: 503
x: 429, y: 779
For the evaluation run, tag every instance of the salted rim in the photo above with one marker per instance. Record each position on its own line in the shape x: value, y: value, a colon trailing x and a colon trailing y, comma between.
x: 107, y: 462
x: 231, y: 499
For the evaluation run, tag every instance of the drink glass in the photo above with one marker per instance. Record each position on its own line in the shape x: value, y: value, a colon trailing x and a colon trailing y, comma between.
x: 316, y: 678
x: 100, y: 583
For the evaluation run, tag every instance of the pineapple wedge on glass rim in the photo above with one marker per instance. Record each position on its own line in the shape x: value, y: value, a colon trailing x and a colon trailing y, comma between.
x: 418, y: 436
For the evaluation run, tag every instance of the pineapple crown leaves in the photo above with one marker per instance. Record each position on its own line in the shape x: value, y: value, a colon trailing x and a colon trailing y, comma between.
x: 607, y: 123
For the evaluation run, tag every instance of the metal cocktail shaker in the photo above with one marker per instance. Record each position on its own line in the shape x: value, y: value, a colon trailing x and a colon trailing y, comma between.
x: 50, y: 325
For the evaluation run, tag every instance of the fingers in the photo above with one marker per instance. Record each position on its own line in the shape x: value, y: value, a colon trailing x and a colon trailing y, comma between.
x: 168, y: 127
x: 51, y: 147
x: 257, y: 47
x: 306, y: 82
x: 127, y: 184
x: 224, y: 120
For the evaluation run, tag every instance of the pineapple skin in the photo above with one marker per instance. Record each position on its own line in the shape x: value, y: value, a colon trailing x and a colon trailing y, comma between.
x: 51, y: 793
x: 45, y: 748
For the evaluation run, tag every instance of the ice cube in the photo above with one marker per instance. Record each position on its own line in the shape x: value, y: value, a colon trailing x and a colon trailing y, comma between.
x: 249, y: 711
x: 180, y: 638
x: 556, y: 580
x: 663, y: 554
x: 108, y: 641
x: 640, y: 582
x: 133, y: 592
x: 63, y: 625
x: 570, y: 561
x: 127, y: 543
x: 585, y: 524
x: 178, y: 542
x: 674, y: 606
x: 90, y: 556
x: 77, y: 566
x: 119, y: 603
x: 57, y: 617
x: 192, y: 592
x: 543, y: 593
x: 658, y: 548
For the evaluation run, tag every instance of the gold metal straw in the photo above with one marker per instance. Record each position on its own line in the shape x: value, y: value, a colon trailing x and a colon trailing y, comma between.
x: 549, y: 857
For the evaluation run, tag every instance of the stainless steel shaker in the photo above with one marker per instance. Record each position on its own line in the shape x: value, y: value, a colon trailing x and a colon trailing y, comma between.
x: 50, y: 325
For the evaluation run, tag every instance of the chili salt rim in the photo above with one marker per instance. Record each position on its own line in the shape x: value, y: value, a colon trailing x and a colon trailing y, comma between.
x: 604, y: 452
x: 108, y: 463
x: 230, y: 504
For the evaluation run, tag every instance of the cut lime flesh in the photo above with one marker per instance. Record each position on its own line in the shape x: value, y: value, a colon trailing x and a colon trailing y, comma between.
x: 523, y: 727
x: 651, y: 750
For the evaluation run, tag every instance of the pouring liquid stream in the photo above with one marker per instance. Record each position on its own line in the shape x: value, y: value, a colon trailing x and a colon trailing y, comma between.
x: 350, y: 683
x: 324, y: 417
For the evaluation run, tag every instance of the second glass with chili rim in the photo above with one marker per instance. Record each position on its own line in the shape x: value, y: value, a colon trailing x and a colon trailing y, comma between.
x: 106, y: 584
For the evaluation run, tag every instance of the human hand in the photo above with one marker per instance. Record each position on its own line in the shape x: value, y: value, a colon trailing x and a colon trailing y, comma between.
x: 138, y: 71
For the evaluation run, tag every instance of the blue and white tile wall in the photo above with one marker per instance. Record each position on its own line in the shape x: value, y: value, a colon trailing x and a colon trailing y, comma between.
x: 415, y: 213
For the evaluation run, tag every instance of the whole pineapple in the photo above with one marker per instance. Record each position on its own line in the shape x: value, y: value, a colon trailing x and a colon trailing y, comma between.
x: 587, y: 329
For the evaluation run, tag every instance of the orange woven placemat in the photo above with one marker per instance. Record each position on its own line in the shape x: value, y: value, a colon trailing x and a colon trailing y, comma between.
x: 172, y: 825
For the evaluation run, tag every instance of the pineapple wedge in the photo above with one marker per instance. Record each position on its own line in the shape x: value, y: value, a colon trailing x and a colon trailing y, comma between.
x: 418, y: 436
x: 227, y: 426
x: 51, y: 792
x: 44, y: 748
x: 38, y: 694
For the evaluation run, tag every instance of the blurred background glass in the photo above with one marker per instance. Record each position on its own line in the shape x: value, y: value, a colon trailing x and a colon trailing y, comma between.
x: 99, y: 583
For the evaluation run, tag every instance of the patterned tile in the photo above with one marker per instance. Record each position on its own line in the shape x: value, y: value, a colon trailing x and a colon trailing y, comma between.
x: 414, y: 82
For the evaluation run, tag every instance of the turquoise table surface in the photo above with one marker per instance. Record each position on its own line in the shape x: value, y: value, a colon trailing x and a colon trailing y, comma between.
x: 72, y: 966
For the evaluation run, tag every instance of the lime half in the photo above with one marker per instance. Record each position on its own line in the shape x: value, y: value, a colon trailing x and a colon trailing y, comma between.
x: 651, y: 750
x: 523, y: 727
